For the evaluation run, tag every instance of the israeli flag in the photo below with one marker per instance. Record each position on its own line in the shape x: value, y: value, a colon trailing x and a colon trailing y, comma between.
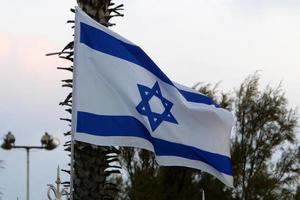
x: 122, y: 98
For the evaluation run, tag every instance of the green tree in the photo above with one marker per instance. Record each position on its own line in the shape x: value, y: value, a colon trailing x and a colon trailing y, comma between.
x: 265, y: 154
x: 264, y: 148
x: 92, y: 165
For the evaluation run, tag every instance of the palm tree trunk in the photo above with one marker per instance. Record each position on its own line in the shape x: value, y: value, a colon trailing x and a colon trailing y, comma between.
x: 90, y: 162
x: 92, y: 165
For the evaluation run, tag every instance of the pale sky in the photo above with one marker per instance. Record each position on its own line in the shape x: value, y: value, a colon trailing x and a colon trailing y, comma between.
x: 191, y: 41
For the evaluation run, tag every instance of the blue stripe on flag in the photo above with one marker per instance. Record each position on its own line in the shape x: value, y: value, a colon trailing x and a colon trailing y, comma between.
x: 194, y: 97
x: 101, y: 41
x: 102, y: 125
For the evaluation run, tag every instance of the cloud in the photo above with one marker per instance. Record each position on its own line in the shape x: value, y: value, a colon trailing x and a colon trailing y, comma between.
x: 29, y: 79
x: 5, y: 46
x: 261, y: 7
x: 27, y: 52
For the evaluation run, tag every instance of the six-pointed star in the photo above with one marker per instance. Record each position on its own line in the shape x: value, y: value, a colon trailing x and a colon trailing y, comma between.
x: 155, y: 119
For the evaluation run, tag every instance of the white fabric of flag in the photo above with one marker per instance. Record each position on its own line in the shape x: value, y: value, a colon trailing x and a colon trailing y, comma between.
x: 122, y: 98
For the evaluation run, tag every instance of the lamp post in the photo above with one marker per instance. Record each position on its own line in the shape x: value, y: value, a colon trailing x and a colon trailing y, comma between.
x: 47, y: 142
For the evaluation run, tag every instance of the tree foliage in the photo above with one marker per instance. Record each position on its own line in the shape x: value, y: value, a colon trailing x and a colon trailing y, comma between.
x: 264, y: 152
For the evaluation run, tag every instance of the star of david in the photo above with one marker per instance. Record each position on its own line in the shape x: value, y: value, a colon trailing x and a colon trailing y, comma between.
x: 144, y: 107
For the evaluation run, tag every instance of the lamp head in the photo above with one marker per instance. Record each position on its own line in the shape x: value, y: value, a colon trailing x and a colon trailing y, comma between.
x: 8, y: 141
x: 49, y: 142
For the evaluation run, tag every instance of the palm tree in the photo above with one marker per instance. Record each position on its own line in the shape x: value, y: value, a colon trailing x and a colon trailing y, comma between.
x: 92, y: 165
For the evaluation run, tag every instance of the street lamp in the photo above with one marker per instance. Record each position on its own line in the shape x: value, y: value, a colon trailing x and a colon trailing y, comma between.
x: 47, y: 142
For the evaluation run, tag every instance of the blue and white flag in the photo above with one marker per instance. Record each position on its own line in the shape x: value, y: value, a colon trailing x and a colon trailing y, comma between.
x: 122, y: 98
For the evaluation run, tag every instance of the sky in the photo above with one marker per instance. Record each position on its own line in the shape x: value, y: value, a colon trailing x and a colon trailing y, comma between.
x: 191, y: 41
